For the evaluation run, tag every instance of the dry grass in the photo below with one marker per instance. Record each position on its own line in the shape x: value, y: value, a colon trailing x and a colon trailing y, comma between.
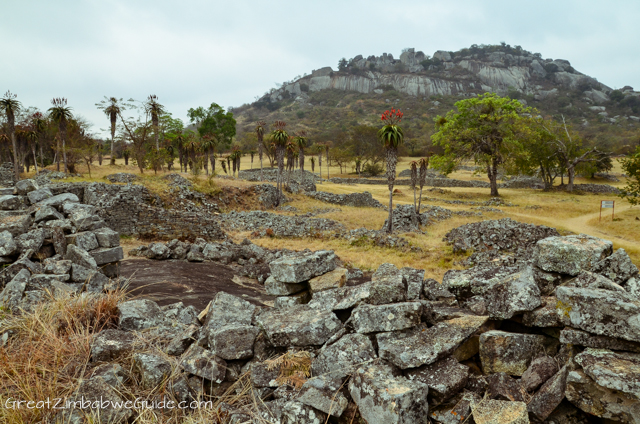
x: 49, y: 350
x: 49, y: 353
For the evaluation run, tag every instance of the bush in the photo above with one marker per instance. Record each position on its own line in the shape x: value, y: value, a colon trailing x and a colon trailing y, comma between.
x: 300, y: 114
x: 304, y: 88
x: 373, y: 169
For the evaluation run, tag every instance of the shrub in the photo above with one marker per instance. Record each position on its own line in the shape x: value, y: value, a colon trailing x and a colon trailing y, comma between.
x: 373, y: 169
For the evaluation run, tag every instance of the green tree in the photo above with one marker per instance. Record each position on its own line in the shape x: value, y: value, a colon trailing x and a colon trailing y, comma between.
x: 569, y: 149
x: 391, y: 136
x: 488, y: 129
x: 61, y: 113
x: 342, y: 64
x: 214, y: 121
x: 112, y: 107
x: 10, y: 106
x: 631, y: 167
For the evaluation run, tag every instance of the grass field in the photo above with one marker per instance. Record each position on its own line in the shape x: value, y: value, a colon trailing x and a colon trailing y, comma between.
x: 568, y: 212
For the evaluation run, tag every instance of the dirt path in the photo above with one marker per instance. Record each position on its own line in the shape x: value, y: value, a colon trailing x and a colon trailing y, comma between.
x: 192, y: 283
x: 579, y: 225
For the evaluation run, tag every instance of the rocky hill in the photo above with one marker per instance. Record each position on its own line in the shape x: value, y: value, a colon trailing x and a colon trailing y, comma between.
x: 430, y: 85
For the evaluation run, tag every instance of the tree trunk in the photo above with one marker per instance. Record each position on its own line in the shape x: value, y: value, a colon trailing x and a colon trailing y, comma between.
x: 390, y: 220
x: 571, y: 174
x: 392, y: 158
x: 35, y: 161
x: 16, y: 170
x: 493, y: 178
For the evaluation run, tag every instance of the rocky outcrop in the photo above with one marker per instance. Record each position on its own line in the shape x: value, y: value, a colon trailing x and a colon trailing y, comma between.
x: 450, y: 73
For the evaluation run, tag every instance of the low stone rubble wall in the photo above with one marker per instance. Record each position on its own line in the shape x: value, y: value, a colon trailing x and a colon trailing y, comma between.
x: 540, y: 341
x: 52, y: 243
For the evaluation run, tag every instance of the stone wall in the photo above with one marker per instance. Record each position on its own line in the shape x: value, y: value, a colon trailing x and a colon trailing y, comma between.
x: 431, y: 182
x: 134, y: 210
x: 158, y: 223
x: 7, y: 176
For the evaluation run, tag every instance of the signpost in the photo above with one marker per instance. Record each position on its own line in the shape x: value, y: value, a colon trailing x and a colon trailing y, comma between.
x: 607, y: 204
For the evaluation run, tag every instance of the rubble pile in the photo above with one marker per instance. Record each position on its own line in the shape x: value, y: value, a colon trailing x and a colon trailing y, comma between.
x: 52, y: 243
x: 505, y: 240
x: 550, y: 340
x: 364, y: 199
x: 405, y: 218
x: 271, y: 224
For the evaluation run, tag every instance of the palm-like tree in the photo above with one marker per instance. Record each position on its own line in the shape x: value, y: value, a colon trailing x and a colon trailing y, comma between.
x: 280, y: 138
x: 301, y: 141
x: 155, y: 109
x: 413, y: 167
x: 10, y: 106
x: 112, y: 107
x: 61, y: 113
x: 290, y: 149
x: 260, y: 133
x: 209, y: 143
x: 39, y: 124
x: 391, y: 136
x: 32, y: 140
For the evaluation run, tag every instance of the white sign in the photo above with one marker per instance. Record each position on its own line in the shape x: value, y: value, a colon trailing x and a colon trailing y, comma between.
x: 607, y: 204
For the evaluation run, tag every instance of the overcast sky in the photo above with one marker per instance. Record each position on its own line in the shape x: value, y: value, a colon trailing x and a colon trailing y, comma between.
x: 191, y: 53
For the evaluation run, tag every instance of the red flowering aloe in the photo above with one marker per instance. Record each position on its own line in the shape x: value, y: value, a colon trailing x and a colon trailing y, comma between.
x: 391, y: 136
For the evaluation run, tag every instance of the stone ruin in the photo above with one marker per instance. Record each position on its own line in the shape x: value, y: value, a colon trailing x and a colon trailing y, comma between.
x: 543, y: 328
x: 53, y: 243
x: 551, y: 338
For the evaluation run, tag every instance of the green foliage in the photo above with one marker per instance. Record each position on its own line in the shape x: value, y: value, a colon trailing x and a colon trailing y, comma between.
x: 373, y: 169
x: 488, y: 129
x: 304, y: 88
x: 616, y: 95
x: 215, y: 122
x: 631, y: 167
x: 342, y: 64
x: 300, y: 114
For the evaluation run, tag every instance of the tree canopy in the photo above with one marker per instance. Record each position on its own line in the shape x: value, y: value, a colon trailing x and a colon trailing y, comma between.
x: 488, y: 129
x: 214, y: 121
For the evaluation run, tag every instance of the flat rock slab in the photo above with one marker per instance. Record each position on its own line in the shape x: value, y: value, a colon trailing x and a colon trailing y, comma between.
x: 583, y: 338
x: 512, y: 295
x: 383, y: 396
x: 296, y: 268
x: 371, y: 292
x: 16, y: 225
x: 570, y: 254
x: 547, y: 399
x: 323, y: 393
x: 204, y: 363
x: 510, y: 353
x: 616, y: 371
x: 344, y: 356
x: 600, y: 401
x: 601, y: 312
x: 379, y: 318
x: 110, y: 344
x: 500, y: 412
x: 331, y: 280
x: 298, y: 326
x: 444, y: 378
x: 192, y: 283
x: 424, y: 346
